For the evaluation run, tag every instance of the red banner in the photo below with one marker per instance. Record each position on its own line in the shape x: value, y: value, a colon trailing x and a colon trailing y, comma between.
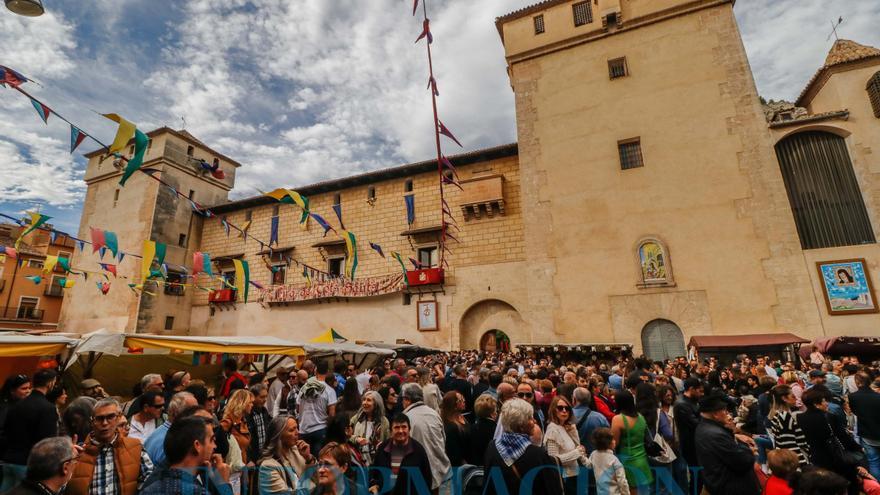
x: 365, y: 287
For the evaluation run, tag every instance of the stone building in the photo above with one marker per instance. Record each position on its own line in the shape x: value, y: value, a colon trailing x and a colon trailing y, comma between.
x: 648, y: 200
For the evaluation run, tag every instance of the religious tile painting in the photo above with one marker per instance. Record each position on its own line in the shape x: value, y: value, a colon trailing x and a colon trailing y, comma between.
x: 847, y: 287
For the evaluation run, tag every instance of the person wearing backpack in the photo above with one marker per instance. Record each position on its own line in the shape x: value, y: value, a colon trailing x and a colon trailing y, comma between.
x: 586, y: 420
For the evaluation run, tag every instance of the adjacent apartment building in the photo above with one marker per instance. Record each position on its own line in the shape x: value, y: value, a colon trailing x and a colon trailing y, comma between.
x: 650, y: 197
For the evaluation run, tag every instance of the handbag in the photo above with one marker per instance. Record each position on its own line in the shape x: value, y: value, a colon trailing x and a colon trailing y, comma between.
x: 652, y: 448
x: 839, y: 453
x: 667, y: 456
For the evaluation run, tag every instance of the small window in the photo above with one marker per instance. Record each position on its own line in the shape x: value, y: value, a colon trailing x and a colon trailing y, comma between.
x: 784, y: 116
x: 34, y: 264
x: 174, y: 284
x: 192, y: 194
x: 336, y: 266
x: 54, y: 289
x: 279, y: 274
x: 371, y: 193
x: 275, y: 211
x: 617, y: 68
x: 181, y: 240
x: 408, y: 186
x: 27, y: 309
x: 189, y: 150
x: 62, y: 254
x: 115, y: 198
x: 630, y: 153
x: 337, y: 199
x: 428, y: 256
x: 539, y: 24
x: 873, y: 89
x: 169, y: 323
x: 583, y: 13
x: 216, y: 162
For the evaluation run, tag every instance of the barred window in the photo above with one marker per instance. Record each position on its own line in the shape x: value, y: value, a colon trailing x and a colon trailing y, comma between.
x: 630, y: 153
x: 539, y: 24
x: 583, y: 13
x: 874, y: 93
x: 617, y: 68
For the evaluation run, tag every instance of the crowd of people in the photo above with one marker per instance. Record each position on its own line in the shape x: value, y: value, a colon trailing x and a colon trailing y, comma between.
x: 457, y: 422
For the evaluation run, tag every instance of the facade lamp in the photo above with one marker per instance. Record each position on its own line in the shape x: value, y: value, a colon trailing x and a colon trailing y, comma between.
x: 27, y: 8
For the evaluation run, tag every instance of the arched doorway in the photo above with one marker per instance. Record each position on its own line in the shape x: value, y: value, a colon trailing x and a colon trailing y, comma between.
x: 661, y: 340
x: 487, y: 317
x: 495, y: 340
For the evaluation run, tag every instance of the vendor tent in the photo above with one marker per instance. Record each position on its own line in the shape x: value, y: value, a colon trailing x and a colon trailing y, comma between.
x: 866, y: 347
x: 231, y: 345
x: 13, y: 344
x: 745, y: 340
x: 329, y: 337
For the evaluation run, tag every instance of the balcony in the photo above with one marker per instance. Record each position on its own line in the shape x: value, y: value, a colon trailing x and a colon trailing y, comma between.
x: 53, y: 290
x: 23, y: 313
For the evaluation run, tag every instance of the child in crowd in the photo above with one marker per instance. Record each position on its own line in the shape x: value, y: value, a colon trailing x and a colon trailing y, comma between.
x: 607, y: 468
x: 783, y: 463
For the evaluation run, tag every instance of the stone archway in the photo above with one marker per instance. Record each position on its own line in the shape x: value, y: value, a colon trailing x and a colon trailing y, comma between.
x: 495, y: 340
x: 490, y: 315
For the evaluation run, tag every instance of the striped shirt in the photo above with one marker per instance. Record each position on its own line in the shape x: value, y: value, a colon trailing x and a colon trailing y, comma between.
x: 787, y: 434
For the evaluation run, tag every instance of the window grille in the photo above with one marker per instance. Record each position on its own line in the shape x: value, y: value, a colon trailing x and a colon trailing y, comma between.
x: 874, y: 93
x: 539, y: 24
x: 583, y: 13
x: 630, y: 153
x: 617, y: 68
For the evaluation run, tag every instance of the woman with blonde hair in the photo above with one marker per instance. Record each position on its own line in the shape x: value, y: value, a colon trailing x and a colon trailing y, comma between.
x: 370, y: 426
x: 563, y: 442
x: 784, y: 428
x: 240, y: 404
x: 791, y: 379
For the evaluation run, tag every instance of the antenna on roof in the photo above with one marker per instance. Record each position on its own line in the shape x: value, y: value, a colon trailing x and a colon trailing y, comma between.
x: 834, y: 27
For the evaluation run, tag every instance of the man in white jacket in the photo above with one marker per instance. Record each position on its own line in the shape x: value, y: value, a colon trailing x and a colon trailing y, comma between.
x: 427, y: 429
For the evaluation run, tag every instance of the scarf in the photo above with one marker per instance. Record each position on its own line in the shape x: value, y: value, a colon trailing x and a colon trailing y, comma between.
x: 511, y: 446
x: 312, y: 388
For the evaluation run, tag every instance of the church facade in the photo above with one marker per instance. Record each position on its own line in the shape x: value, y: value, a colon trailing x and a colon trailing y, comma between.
x: 650, y: 198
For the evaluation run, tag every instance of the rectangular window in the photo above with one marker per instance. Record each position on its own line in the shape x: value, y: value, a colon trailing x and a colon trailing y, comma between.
x: 27, y: 309
x: 429, y: 256
x: 630, y: 153
x: 617, y: 68
x: 873, y: 89
x: 181, y: 240
x: 539, y: 24
x: 279, y: 274
x: 34, y: 264
x: 169, y: 323
x: 174, y: 284
x: 583, y: 13
x: 115, y: 198
x: 408, y: 186
x: 54, y: 289
x: 371, y: 193
x: 336, y: 266
x: 337, y: 199
x: 192, y: 194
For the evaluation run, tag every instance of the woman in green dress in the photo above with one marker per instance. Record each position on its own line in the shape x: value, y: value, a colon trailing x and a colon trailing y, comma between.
x: 628, y: 429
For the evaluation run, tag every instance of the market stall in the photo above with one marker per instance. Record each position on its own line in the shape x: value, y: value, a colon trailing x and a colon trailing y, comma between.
x: 864, y: 348
x: 726, y: 348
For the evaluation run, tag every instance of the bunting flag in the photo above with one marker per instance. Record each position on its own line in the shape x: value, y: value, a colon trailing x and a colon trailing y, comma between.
x: 121, y: 255
x: 42, y: 110
x: 50, y: 263
x: 273, y: 231
x: 378, y: 249
x: 11, y: 77
x: 242, y: 231
x: 446, y: 132
x: 152, y: 251
x: 415, y: 6
x: 141, y: 141
x: 104, y: 287
x: 123, y: 134
x: 323, y: 223
x: 242, y: 278
x: 292, y: 197
x: 98, y: 239
x: 214, y: 169
x: 36, y: 279
x: 351, y: 259
x: 399, y: 259
x: 111, y: 242
x: 225, y: 225
x: 81, y: 244
x: 448, y: 165
x: 426, y: 32
x: 64, y: 263
x: 307, y: 276
x: 109, y: 268
x: 432, y: 85
x: 202, y: 264
x: 37, y: 219
x: 337, y: 208
x: 258, y: 285
x: 452, y: 181
x: 66, y: 283
x: 76, y: 137
x: 410, y: 200
x: 11, y: 252
x: 417, y: 265
x: 102, y: 252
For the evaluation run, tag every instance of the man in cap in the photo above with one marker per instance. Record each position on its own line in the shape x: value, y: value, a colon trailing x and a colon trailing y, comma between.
x: 817, y: 377
x: 727, y: 459
x: 92, y: 388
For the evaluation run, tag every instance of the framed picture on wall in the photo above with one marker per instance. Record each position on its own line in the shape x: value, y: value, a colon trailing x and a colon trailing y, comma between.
x: 427, y: 316
x: 847, y: 287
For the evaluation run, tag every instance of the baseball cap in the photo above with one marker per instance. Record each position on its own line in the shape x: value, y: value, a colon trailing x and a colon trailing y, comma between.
x: 89, y: 383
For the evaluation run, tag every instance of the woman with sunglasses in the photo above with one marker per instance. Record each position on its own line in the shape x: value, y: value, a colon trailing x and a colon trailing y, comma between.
x: 562, y: 441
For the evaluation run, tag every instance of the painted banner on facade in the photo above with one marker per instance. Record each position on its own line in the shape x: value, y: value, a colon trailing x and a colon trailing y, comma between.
x: 367, y: 287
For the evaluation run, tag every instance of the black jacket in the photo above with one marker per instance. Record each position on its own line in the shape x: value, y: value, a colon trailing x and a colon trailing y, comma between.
x: 457, y: 442
x: 728, y: 466
x: 482, y: 434
x: 544, y: 481
x: 28, y: 488
x: 687, y: 417
x: 414, y: 462
x: 29, y: 421
x: 865, y: 404
x: 818, y: 429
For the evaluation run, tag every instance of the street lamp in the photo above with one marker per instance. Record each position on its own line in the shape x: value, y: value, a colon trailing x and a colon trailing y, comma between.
x: 28, y: 8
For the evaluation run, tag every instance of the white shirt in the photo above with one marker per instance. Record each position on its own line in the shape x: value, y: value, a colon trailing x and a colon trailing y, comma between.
x: 313, y: 412
x: 609, y: 473
x: 141, y: 431
x: 274, y: 390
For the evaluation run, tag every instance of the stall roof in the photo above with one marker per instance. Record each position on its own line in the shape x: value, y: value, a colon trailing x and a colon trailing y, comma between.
x: 233, y: 344
x: 745, y: 340
x: 33, y: 345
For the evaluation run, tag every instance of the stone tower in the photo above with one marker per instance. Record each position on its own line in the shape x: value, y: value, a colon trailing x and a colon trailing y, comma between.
x: 144, y: 209
x: 639, y: 121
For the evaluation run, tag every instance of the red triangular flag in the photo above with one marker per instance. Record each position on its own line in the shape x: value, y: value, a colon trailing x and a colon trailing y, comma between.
x: 415, y: 6
x: 446, y: 132
x: 426, y: 32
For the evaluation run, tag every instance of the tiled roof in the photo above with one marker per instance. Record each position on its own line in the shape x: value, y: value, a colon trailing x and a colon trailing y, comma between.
x: 842, y: 52
x: 516, y: 14
x: 803, y: 119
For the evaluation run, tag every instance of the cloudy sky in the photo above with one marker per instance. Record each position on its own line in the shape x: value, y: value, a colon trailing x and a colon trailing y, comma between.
x: 304, y: 90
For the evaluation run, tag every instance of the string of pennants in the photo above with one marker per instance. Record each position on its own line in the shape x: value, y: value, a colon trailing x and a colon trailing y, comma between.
x: 103, y: 240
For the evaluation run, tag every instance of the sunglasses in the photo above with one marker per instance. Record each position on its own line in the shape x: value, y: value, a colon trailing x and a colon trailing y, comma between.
x: 524, y: 395
x: 563, y: 408
x: 212, y: 397
x: 105, y: 418
x: 158, y: 406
